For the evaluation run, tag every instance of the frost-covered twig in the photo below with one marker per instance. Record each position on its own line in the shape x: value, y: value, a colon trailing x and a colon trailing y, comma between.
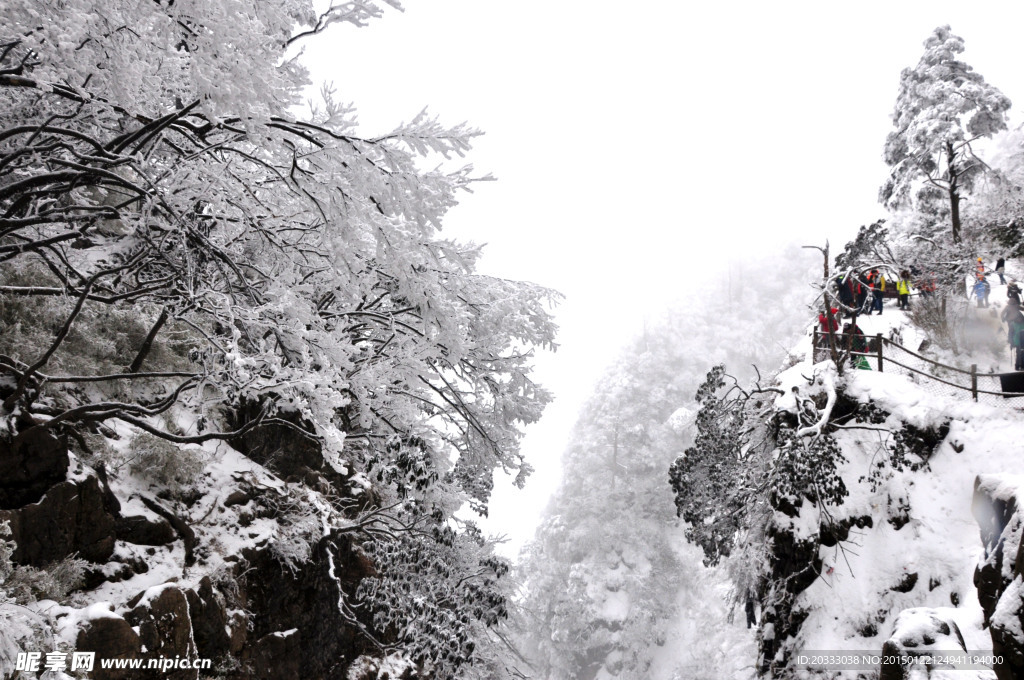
x: 826, y: 376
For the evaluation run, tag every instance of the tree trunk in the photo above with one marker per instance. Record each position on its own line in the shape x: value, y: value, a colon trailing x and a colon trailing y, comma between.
x: 147, y: 344
x: 830, y: 317
x: 954, y: 193
x: 615, y: 456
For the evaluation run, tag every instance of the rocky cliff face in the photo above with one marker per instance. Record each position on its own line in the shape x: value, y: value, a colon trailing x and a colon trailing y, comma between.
x: 1000, y: 594
x: 227, y: 570
x: 999, y: 576
x: 895, y: 565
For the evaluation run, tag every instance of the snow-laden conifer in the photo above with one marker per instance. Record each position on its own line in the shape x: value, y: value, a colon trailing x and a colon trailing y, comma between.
x: 943, y: 107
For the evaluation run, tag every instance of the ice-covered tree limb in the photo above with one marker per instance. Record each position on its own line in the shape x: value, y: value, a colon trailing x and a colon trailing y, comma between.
x: 824, y: 376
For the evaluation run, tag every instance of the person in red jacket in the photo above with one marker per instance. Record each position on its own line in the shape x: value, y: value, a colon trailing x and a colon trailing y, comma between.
x: 876, y: 280
x: 823, y: 320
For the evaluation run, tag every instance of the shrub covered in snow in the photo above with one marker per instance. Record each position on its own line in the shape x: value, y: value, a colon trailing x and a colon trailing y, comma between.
x: 171, y: 467
x: 21, y: 629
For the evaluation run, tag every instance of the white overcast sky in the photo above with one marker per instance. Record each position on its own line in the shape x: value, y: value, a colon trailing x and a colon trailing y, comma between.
x: 639, y: 147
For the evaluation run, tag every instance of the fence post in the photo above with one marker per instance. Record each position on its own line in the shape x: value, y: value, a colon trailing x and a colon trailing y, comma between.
x: 879, y: 340
x: 974, y: 381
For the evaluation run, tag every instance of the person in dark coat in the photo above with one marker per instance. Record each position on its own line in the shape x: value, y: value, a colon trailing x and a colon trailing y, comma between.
x: 876, y: 280
x: 1014, y: 321
x: 751, y: 618
x: 845, y: 292
x: 1000, y: 268
x: 1013, y: 292
x: 854, y: 337
x: 862, y: 296
x: 1011, y: 311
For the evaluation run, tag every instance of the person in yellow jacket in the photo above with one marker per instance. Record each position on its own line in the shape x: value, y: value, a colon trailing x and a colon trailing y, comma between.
x: 877, y: 281
x: 903, y: 289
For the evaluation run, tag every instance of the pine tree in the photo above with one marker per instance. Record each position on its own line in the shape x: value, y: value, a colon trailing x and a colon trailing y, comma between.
x: 705, y: 479
x: 942, y: 108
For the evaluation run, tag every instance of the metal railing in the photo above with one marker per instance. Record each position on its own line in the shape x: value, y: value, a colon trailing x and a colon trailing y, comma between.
x: 936, y: 377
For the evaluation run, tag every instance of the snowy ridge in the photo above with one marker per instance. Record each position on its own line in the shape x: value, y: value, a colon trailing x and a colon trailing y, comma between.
x: 912, y: 540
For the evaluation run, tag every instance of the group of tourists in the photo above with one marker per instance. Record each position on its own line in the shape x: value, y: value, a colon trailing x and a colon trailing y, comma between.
x: 1014, y: 320
x: 981, y: 288
x: 864, y: 293
x: 1012, y: 315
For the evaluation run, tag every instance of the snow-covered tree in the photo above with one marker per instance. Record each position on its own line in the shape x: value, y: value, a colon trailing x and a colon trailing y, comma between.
x: 601, y: 574
x: 607, y: 568
x: 942, y: 108
x: 181, y: 252
x: 707, y: 479
x: 998, y: 211
x: 300, y: 259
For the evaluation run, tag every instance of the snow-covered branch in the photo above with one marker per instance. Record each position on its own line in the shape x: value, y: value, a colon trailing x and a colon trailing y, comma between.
x: 824, y: 375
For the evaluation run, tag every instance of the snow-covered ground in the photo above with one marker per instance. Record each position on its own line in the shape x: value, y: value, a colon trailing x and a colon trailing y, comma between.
x: 922, y: 544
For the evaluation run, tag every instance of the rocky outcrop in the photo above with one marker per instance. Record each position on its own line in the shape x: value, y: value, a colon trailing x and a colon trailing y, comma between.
x: 289, y: 448
x: 256, y: 618
x: 29, y: 467
x: 795, y: 566
x: 923, y: 639
x: 72, y: 518
x: 998, y: 577
x: 110, y: 637
x: 52, y: 517
x: 265, y: 622
x: 282, y: 448
x: 157, y: 626
x: 906, y: 583
x: 994, y: 507
x: 161, y: 615
x: 297, y: 614
x: 278, y: 655
x: 211, y: 626
x: 141, y: 530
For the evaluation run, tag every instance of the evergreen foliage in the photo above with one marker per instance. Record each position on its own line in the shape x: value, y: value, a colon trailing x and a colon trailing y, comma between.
x: 867, y: 247
x: 810, y: 469
x: 436, y: 593
x: 748, y: 455
x: 942, y: 108
x: 705, y: 478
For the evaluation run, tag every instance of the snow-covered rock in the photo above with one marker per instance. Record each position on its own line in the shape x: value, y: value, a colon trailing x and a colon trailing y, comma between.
x: 998, y: 577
